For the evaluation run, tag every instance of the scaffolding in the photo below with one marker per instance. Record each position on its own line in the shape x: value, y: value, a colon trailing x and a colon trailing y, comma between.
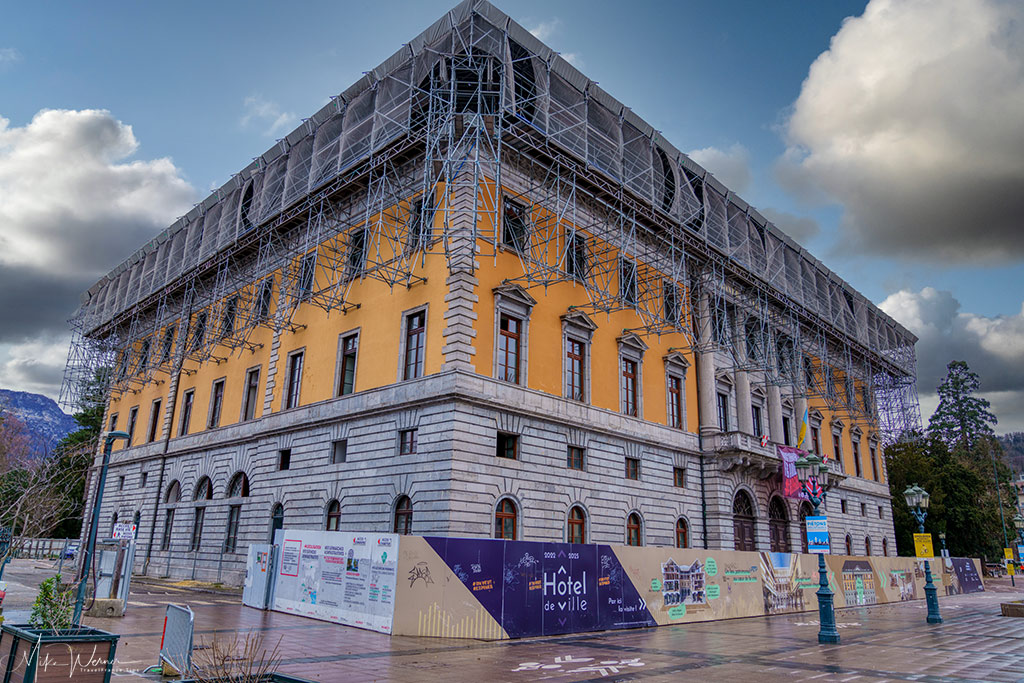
x: 472, y: 141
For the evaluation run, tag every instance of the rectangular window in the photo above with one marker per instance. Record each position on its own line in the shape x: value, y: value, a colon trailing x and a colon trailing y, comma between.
x: 673, y: 309
x: 198, y: 332
x: 154, y: 420
x: 632, y: 468
x: 284, y: 459
x: 186, y: 411
x: 252, y: 393
x: 415, y: 337
x: 856, y: 457
x: 133, y: 416
x: 575, y: 355
x: 144, y: 479
x: 168, y: 345
x: 197, y: 529
x: 513, y: 226
x: 227, y: 323
x: 507, y: 446
x: 165, y: 542
x: 842, y: 506
x: 629, y: 387
x: 755, y: 412
x: 723, y: 412
x: 407, y: 442
x: 837, y: 449
x: 574, y: 458
x: 816, y: 440
x: 679, y: 477
x: 231, y: 537
x: 576, y: 256
x: 307, y: 273
x: 881, y: 512
x: 294, y: 384
x: 627, y: 282
x: 873, y: 453
x: 144, y: 355
x: 787, y: 430
x: 357, y: 251
x: 216, y: 403
x: 509, y: 330
x: 120, y: 483
x: 675, y: 402
x: 347, y: 369
x: 863, y: 510
x: 339, y: 451
x: 113, y: 423
x: 263, y: 299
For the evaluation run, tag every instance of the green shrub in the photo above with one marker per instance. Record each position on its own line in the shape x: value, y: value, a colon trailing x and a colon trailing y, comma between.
x: 54, y: 606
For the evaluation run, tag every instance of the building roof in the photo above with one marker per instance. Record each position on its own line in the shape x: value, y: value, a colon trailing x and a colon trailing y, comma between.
x: 152, y: 265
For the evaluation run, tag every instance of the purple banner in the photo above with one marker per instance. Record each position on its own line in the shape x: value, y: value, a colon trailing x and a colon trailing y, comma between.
x: 534, y: 588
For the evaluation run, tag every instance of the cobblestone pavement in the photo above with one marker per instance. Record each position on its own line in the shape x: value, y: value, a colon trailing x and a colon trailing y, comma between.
x: 889, y: 642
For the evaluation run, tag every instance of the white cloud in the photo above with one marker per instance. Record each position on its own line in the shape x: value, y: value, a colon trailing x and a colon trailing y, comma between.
x: 546, y: 29
x: 9, y: 55
x: 574, y: 59
x: 912, y: 122
x: 267, y: 115
x: 993, y: 347
x: 73, y: 204
x: 731, y: 166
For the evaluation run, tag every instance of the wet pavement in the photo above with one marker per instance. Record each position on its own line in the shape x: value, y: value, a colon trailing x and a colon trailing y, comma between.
x: 888, y: 642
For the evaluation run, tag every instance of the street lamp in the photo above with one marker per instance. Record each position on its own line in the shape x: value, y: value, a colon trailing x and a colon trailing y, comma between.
x: 918, y: 500
x: 90, y: 546
x: 1018, y: 522
x: 815, y: 483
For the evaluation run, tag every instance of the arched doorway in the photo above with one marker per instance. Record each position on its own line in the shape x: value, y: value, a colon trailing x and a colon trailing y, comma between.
x: 849, y: 545
x: 743, y: 521
x: 778, y: 526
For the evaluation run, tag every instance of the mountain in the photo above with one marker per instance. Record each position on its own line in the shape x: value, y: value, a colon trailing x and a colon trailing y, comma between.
x: 1013, y: 450
x: 46, y: 423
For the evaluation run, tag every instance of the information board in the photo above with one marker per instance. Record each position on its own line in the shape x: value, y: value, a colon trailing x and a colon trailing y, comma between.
x: 923, y: 546
x: 124, y: 531
x: 1008, y: 553
x: 817, y: 535
x: 346, y: 578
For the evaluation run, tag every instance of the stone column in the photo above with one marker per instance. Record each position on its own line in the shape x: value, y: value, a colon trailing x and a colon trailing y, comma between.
x: 460, y: 318
x: 706, y: 370
x: 775, y: 413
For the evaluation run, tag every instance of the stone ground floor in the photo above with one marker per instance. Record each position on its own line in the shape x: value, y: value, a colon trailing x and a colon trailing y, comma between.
x: 883, y: 643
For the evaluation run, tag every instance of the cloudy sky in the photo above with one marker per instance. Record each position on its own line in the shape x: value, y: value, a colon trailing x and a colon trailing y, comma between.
x: 887, y: 137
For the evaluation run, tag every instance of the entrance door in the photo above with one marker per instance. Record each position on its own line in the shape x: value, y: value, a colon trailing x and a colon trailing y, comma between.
x: 743, y: 521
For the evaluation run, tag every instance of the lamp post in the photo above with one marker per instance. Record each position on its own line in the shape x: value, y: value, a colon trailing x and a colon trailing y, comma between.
x: 918, y: 500
x: 809, y: 471
x: 90, y: 546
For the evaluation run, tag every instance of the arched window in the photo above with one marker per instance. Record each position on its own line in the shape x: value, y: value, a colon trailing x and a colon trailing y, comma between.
x: 867, y: 547
x: 333, y: 515
x: 403, y: 516
x: 137, y: 520
x: 634, y: 530
x: 239, y: 487
x: 849, y: 545
x: 113, y: 523
x: 805, y: 512
x: 682, y: 533
x: 173, y: 492
x: 276, y: 519
x: 743, y: 521
x: 778, y: 525
x: 505, y: 520
x: 204, y: 490
x: 885, y: 547
x: 577, y: 525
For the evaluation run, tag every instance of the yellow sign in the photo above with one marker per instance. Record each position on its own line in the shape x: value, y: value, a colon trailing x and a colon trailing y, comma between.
x: 1010, y: 569
x: 923, y: 546
x: 1008, y: 553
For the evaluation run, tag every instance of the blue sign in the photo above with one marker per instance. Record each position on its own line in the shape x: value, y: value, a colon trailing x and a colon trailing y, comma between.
x: 817, y: 535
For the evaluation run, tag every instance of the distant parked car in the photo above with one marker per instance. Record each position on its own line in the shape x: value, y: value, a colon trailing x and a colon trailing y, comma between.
x: 70, y: 551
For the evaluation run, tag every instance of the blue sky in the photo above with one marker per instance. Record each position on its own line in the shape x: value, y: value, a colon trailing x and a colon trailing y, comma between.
x: 205, y: 87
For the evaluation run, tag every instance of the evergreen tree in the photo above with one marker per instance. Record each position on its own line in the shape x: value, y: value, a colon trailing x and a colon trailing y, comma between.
x: 961, y: 418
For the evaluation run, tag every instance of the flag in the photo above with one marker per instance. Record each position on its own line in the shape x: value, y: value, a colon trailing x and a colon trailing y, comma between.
x: 801, y: 442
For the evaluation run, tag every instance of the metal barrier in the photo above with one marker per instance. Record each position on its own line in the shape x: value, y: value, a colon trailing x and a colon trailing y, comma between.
x: 176, y: 642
